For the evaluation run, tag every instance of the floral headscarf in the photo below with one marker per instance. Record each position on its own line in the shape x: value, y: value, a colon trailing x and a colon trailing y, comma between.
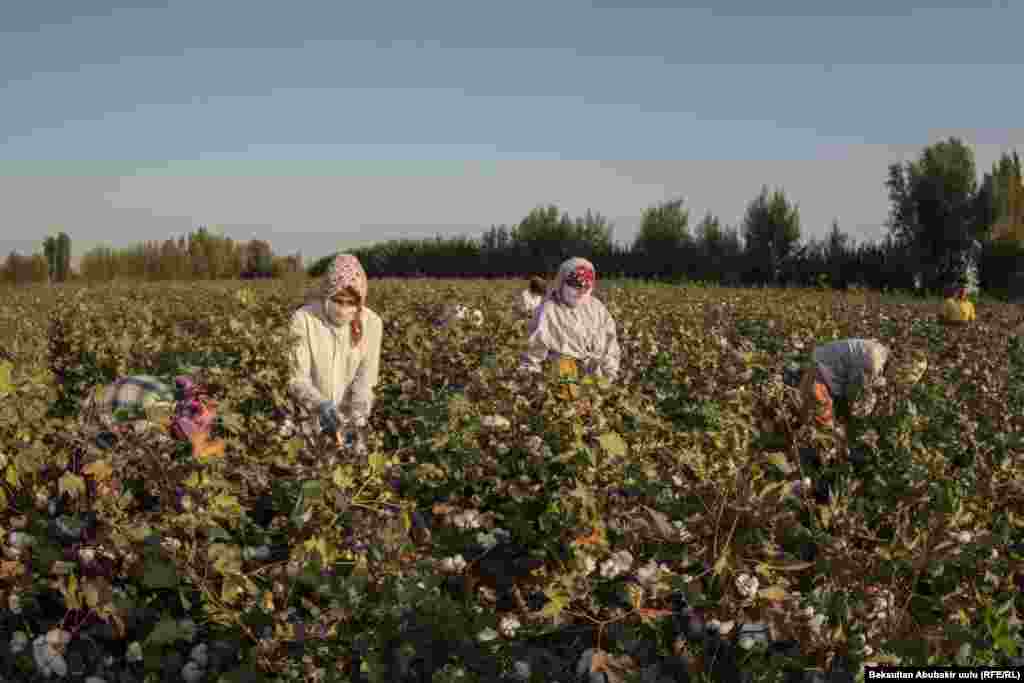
x: 345, y: 272
x: 578, y: 272
x: 584, y: 332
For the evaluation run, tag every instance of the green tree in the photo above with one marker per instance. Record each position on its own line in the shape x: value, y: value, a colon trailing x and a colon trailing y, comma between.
x: 934, y: 208
x: 1001, y: 197
x: 593, y: 234
x: 663, y: 236
x: 545, y: 237
x: 50, y: 253
x: 771, y: 230
x: 664, y: 227
x: 63, y: 257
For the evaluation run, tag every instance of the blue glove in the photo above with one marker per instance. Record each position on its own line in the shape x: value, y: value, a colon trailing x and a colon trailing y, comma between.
x: 329, y: 416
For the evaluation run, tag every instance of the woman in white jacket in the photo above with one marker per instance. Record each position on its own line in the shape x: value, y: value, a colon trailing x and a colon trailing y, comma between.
x: 531, y: 297
x: 337, y: 350
x: 572, y: 323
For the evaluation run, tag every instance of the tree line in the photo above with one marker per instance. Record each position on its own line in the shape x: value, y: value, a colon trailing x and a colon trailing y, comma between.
x: 200, y: 255
x: 943, y: 225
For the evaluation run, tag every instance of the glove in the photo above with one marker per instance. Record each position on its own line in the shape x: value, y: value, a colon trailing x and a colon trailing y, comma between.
x: 329, y: 416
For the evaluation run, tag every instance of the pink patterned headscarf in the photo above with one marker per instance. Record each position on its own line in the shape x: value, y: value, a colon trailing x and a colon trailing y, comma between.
x: 345, y: 272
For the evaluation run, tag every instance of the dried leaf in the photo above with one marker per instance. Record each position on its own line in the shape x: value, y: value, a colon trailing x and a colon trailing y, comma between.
x: 594, y: 538
x: 661, y: 524
x: 99, y: 470
x: 71, y: 484
x: 203, y: 448
x: 616, y: 669
x: 772, y: 593
x: 649, y: 613
x: 11, y: 568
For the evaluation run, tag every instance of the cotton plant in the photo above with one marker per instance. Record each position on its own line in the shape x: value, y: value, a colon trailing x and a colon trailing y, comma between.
x: 747, y: 585
x: 509, y: 626
x: 454, y: 564
x: 617, y: 565
x: 649, y: 574
x: 492, y: 538
x: 467, y: 519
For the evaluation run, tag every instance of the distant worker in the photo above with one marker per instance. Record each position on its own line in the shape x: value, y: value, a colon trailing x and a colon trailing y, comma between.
x: 957, y: 309
x: 573, y: 327
x: 850, y: 372
x: 531, y: 297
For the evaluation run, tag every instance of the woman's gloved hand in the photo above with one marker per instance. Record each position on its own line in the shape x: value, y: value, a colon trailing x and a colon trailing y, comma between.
x: 329, y: 420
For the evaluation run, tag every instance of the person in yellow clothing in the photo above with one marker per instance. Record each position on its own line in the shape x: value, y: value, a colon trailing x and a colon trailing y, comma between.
x: 957, y: 308
x: 337, y: 353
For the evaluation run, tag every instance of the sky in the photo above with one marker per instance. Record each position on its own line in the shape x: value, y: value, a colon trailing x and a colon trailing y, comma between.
x: 328, y: 125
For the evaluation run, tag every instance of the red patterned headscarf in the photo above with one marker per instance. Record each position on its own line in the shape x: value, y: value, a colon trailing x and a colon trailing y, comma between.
x: 346, y: 273
x: 578, y: 272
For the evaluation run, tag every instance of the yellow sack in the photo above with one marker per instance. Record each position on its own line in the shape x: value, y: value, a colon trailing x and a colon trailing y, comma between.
x: 957, y: 311
x: 566, y: 368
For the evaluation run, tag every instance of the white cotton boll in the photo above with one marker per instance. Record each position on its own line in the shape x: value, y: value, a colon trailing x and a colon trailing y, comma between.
x: 964, y: 537
x: 477, y: 317
x: 192, y: 673
x: 617, y: 565
x: 453, y: 564
x: 747, y: 585
x: 509, y: 626
x: 47, y: 659
x: 58, y: 638
x: 649, y: 573
x: 470, y: 519
x: 287, y: 428
x: 19, y: 641
x: 200, y: 654
x: 495, y: 422
x: 587, y: 563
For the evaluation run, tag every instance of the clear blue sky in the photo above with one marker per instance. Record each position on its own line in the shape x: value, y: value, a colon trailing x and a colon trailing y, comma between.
x: 328, y: 125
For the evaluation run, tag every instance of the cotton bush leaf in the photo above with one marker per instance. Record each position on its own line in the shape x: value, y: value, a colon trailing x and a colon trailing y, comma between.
x: 100, y: 470
x: 6, y: 386
x: 71, y: 484
x: 613, y: 444
x: 159, y: 572
x: 165, y: 632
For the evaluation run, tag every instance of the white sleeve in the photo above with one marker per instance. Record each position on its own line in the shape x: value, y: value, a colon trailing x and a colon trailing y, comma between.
x: 301, y: 384
x: 536, y: 351
x: 612, y: 357
x: 368, y: 372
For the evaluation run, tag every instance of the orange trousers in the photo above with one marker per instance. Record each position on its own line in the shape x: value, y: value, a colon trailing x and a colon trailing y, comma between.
x: 816, y: 398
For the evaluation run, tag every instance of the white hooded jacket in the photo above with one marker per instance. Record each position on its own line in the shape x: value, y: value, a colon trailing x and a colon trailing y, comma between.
x: 327, y: 367
x: 585, y: 331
